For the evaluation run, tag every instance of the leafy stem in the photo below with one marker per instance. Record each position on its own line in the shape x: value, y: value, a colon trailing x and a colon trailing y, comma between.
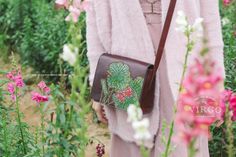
x: 19, y: 122
x: 171, y: 131
x: 191, y: 149
x: 42, y: 114
x: 229, y: 132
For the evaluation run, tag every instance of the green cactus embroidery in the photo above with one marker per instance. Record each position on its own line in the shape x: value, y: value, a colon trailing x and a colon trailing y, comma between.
x: 123, y: 89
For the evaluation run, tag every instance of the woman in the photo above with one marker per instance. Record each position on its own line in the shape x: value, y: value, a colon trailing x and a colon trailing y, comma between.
x: 132, y: 28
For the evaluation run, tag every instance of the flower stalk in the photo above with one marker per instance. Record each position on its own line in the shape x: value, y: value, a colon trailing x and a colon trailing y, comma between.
x: 189, y: 47
x: 19, y: 122
x: 42, y: 114
x: 229, y: 132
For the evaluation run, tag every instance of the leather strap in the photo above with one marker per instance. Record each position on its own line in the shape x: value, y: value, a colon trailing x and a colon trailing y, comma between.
x: 164, y: 34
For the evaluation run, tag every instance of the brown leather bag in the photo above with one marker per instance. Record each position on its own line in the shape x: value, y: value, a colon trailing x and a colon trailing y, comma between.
x: 120, y: 81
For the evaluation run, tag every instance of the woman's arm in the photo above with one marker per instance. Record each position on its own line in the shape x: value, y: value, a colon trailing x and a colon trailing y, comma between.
x: 94, y: 45
x: 95, y: 49
x: 213, y: 30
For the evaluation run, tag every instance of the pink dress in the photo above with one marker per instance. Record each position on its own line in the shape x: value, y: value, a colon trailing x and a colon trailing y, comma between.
x: 121, y: 148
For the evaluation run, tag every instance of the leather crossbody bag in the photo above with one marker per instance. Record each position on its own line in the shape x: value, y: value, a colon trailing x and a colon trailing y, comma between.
x: 120, y: 81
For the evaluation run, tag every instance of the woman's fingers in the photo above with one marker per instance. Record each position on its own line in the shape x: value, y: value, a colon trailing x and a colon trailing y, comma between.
x: 99, y: 109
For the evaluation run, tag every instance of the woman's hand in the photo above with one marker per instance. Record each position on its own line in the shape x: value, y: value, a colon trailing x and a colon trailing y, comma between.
x: 99, y: 109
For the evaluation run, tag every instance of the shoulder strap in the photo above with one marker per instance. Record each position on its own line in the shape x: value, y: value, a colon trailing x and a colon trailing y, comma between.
x: 164, y: 34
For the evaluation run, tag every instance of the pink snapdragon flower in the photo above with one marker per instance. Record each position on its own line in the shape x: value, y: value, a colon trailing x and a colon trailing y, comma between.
x: 42, y: 85
x: 74, y: 14
x: 227, y: 2
x: 16, y: 81
x: 10, y: 75
x: 199, y: 102
x: 76, y: 8
x: 16, y: 78
x: 11, y: 90
x: 63, y: 3
x: 229, y: 98
x: 38, y: 97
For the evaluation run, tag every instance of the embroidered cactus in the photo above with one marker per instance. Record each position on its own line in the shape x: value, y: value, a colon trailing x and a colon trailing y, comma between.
x: 126, y: 90
x: 118, y: 76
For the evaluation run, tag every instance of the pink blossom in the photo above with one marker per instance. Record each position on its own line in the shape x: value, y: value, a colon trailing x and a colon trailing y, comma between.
x: 85, y: 5
x: 199, y: 103
x: 11, y: 90
x: 42, y: 85
x: 228, y: 100
x: 64, y: 3
x: 10, y: 75
x: 38, y: 97
x: 232, y: 105
x: 76, y: 8
x: 18, y: 80
x: 47, y: 90
x: 227, y: 2
x: 74, y: 14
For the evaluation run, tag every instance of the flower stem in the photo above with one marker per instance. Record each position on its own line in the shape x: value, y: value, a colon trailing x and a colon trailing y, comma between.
x: 42, y: 128
x: 191, y: 149
x: 229, y: 132
x: 144, y: 151
x: 189, y: 48
x: 19, y: 122
x: 5, y: 131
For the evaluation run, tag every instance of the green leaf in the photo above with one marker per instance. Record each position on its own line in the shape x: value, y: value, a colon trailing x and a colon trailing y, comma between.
x: 136, y: 85
x: 62, y: 118
x: 118, y: 76
x: 104, y: 87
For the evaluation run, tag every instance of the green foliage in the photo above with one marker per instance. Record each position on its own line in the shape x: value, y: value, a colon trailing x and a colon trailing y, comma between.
x: 44, y: 35
x: 67, y: 136
x: 229, y: 36
x: 218, y: 143
x: 62, y: 134
x: 37, y: 31
x: 12, y: 129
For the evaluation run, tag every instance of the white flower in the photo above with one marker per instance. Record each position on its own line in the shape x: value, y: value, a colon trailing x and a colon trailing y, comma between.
x: 198, y: 27
x: 68, y: 55
x: 225, y: 21
x: 195, y: 30
x: 134, y: 113
x: 141, y: 130
x: 181, y: 21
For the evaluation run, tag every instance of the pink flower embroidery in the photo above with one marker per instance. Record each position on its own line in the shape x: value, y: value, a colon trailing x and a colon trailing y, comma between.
x: 124, y: 93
